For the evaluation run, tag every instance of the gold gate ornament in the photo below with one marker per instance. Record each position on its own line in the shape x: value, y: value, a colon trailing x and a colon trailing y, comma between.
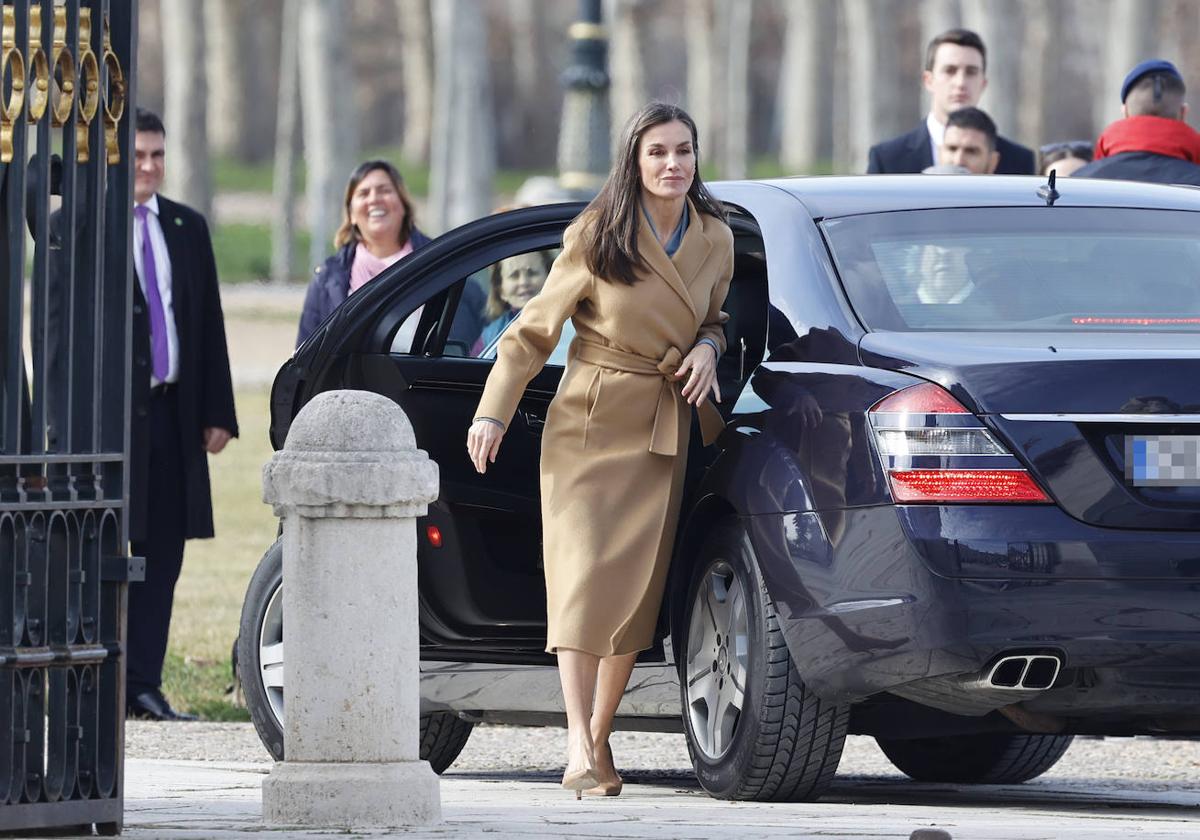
x: 89, y: 75
x: 13, y: 63
x: 114, y: 97
x: 39, y: 68
x: 63, y: 64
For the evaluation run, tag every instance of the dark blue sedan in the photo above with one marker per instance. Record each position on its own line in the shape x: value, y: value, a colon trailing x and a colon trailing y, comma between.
x: 956, y: 505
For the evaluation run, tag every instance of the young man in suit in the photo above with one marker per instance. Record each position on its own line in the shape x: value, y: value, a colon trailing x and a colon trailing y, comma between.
x: 955, y: 76
x: 182, y: 408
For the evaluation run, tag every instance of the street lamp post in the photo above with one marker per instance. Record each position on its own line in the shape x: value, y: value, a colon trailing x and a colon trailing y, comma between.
x: 584, y: 138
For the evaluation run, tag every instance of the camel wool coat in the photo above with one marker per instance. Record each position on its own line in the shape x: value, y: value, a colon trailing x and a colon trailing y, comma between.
x: 615, y: 442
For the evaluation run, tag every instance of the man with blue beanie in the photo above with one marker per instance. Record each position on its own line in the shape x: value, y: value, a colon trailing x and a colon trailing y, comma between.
x: 1152, y: 142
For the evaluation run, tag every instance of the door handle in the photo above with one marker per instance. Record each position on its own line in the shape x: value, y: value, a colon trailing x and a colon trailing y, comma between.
x: 533, y: 421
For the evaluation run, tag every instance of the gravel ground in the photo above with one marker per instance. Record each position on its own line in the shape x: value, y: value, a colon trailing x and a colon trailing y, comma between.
x: 260, y: 327
x: 1142, y: 763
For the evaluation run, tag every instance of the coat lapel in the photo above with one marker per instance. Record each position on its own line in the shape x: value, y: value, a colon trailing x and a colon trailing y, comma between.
x: 921, y: 147
x: 662, y: 265
x: 174, y: 231
x: 694, y: 249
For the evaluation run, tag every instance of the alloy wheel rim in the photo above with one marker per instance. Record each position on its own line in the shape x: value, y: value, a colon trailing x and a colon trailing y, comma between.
x: 717, y: 660
x: 270, y: 654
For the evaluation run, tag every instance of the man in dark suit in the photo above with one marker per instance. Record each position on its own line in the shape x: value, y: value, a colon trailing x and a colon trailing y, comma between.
x: 182, y: 408
x: 955, y: 76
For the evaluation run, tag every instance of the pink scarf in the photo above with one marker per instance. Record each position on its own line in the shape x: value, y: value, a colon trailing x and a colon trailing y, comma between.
x: 366, y: 265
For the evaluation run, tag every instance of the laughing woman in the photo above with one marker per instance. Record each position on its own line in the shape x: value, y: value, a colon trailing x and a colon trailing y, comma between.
x: 642, y: 275
x: 377, y: 230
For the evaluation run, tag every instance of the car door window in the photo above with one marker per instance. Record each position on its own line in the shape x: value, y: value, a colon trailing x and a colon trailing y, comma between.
x: 557, y: 357
x: 478, y: 308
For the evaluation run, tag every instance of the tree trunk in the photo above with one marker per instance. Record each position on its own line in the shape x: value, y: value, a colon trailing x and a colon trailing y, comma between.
x: 804, y: 84
x: 1182, y: 35
x: 234, y: 66
x: 463, y: 160
x: 1132, y: 37
x: 330, y: 136
x: 1039, y: 62
x: 150, y: 91
x: 701, y: 80
x: 627, y: 70
x: 188, y: 174
x: 528, y: 125
x: 938, y: 16
x: 416, y: 50
x: 999, y: 23
x: 876, y: 84
x: 287, y: 125
x: 737, y: 91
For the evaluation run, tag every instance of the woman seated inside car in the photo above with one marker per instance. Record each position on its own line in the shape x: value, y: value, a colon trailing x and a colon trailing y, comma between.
x: 513, y: 283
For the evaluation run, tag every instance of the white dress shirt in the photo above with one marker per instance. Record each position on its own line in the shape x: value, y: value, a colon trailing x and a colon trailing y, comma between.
x: 162, y: 269
x: 937, y: 133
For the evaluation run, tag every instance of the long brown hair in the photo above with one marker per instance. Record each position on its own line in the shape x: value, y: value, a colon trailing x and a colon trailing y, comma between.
x: 348, y: 232
x: 611, y: 246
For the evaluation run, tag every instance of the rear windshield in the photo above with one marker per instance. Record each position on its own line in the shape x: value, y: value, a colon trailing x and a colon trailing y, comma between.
x: 1045, y: 268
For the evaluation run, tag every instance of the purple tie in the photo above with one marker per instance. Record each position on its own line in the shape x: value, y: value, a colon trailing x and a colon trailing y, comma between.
x: 158, y: 315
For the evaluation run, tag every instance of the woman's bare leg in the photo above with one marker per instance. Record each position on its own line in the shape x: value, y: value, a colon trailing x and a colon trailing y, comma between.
x: 577, y: 672
x: 612, y: 678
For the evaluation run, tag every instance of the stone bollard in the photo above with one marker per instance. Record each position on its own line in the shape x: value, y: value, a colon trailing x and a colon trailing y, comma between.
x: 348, y: 485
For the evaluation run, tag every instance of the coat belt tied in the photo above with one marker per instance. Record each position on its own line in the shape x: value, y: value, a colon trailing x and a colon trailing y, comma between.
x: 665, y: 436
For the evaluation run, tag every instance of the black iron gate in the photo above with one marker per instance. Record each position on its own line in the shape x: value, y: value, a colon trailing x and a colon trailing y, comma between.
x: 64, y: 401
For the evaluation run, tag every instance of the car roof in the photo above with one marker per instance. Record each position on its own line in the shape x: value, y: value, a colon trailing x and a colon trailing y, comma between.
x: 833, y: 196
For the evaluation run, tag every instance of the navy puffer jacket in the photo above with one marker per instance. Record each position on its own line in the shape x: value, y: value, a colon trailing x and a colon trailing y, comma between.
x: 330, y: 285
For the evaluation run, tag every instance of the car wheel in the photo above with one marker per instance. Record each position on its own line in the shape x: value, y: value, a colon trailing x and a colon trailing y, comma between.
x: 754, y: 730
x: 260, y: 649
x: 1000, y: 759
x: 260, y: 670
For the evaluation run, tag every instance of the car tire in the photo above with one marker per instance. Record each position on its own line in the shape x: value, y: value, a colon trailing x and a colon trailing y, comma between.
x: 260, y: 670
x: 994, y: 759
x: 262, y: 626
x: 783, y: 743
x: 443, y: 736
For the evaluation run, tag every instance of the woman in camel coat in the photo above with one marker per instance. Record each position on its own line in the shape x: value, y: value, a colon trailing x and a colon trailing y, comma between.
x: 642, y: 275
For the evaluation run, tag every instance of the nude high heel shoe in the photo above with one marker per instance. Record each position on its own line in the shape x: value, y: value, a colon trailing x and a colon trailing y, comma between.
x: 607, y: 788
x: 580, y: 780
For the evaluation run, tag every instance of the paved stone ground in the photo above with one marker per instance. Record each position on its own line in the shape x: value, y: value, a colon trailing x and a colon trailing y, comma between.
x: 203, y: 780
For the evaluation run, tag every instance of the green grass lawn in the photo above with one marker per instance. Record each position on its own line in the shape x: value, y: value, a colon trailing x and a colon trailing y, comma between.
x: 243, y: 253
x: 208, y: 599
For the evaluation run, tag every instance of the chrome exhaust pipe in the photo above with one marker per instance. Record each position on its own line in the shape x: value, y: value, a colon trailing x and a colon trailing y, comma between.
x: 1024, y: 671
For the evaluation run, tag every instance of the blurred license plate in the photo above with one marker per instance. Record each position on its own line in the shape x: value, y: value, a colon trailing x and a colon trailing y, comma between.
x: 1162, y: 460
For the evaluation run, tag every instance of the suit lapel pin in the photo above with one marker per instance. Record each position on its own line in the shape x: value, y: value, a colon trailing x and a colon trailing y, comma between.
x: 178, y: 222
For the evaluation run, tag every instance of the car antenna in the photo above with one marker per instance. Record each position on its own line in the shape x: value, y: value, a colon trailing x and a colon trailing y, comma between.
x: 1047, y: 192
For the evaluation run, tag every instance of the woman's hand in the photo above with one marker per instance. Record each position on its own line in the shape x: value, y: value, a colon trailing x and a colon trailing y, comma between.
x: 702, y: 364
x: 483, y: 442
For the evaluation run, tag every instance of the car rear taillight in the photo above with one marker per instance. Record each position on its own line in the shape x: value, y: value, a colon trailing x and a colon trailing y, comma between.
x: 936, y: 451
x: 434, y: 534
